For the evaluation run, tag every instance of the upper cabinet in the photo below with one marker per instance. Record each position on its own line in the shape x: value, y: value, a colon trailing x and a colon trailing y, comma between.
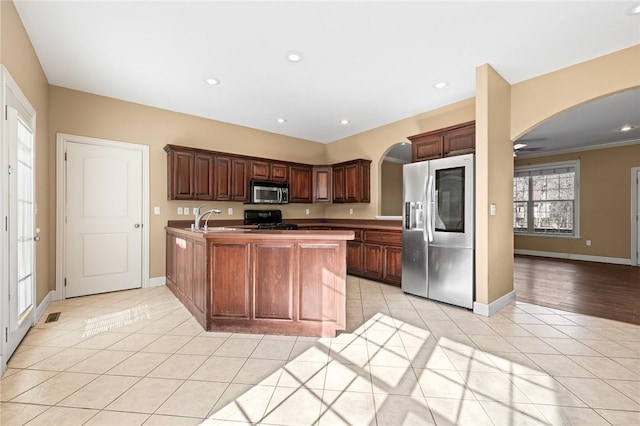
x: 454, y: 140
x: 352, y: 181
x: 300, y: 183
x: 322, y: 184
x: 231, y: 183
x: 269, y: 171
x: 199, y: 174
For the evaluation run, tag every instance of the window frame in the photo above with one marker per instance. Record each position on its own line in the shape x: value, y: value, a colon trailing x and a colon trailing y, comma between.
x: 541, y: 167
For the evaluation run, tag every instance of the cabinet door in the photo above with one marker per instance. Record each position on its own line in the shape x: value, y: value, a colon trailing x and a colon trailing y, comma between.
x: 222, y: 184
x: 204, y: 177
x: 354, y: 257
x: 260, y: 170
x: 426, y: 148
x: 322, y: 184
x: 352, y: 182
x: 339, y: 184
x: 181, y: 175
x: 460, y: 141
x: 392, y: 271
x: 300, y: 186
x: 372, y: 260
x: 279, y: 172
x: 239, y: 181
x: 364, y: 183
x: 229, y: 269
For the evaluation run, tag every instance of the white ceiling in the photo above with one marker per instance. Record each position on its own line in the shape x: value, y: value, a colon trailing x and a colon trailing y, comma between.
x: 369, y: 62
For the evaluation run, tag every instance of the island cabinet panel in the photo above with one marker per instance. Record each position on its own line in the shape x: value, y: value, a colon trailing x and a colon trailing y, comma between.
x: 229, y: 280
x: 273, y: 281
x: 321, y: 301
x: 186, y: 273
x: 266, y: 282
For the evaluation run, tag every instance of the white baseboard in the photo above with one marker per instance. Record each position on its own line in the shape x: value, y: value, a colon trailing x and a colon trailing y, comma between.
x: 157, y: 281
x: 44, y: 305
x: 572, y: 256
x: 495, y: 306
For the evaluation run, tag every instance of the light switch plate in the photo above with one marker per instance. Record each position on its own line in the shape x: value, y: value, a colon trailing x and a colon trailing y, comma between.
x: 492, y: 209
x: 306, y: 211
x: 230, y: 211
x: 179, y: 210
x: 156, y: 210
x: 186, y: 210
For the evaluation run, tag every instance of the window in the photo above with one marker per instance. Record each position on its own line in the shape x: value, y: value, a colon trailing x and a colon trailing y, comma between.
x: 546, y: 199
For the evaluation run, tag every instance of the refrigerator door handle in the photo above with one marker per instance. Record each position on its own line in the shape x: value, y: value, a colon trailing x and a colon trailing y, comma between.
x: 429, y: 209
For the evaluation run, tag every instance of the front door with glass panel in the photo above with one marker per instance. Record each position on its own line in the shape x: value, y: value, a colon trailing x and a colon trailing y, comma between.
x: 20, y: 228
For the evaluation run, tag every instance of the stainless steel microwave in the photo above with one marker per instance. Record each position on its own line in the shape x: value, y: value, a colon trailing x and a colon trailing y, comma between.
x: 269, y: 193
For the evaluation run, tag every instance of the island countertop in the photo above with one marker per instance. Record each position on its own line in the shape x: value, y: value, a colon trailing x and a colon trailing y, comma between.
x: 261, y: 281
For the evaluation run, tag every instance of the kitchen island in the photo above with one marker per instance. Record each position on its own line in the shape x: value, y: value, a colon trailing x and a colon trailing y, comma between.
x: 265, y: 282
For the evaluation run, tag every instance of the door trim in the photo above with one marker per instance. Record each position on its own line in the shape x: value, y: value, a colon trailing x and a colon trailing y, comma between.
x: 635, y: 187
x: 9, y: 90
x: 61, y: 140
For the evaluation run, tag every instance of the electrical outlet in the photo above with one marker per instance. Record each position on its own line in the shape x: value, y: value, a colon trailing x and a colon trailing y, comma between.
x: 589, y: 242
x: 350, y: 211
x: 156, y: 210
x: 185, y: 210
x: 179, y: 210
x: 306, y: 211
x: 230, y: 211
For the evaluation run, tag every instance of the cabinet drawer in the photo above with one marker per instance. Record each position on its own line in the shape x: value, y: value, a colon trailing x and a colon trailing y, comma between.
x: 383, y: 237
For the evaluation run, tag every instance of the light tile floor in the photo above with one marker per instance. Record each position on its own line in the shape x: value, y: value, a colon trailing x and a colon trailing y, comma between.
x: 138, y: 357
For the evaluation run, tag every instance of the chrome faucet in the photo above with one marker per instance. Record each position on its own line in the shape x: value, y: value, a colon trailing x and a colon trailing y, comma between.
x: 199, y: 216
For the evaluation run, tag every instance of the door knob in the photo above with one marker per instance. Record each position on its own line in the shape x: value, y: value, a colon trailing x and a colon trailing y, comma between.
x: 137, y: 225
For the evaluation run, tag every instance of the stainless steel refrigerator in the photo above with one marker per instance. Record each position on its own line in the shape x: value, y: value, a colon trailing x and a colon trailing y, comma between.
x: 438, y: 230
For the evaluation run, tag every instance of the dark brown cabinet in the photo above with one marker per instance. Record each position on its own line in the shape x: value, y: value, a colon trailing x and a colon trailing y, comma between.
x: 180, y: 172
x: 322, y: 184
x: 231, y: 179
x: 199, y: 174
x: 354, y: 254
x: 300, y: 184
x: 203, y: 182
x: 269, y: 171
x: 448, y: 142
x: 381, y: 256
x: 352, y: 181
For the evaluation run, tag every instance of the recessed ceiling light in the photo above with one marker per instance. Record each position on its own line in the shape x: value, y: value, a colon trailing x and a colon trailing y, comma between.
x: 519, y: 145
x: 626, y: 128
x: 213, y: 81
x: 281, y: 120
x: 441, y: 85
x: 636, y: 10
x: 293, y: 56
x: 344, y: 122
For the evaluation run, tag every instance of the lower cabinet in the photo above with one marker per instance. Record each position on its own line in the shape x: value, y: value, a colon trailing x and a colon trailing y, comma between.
x: 377, y: 255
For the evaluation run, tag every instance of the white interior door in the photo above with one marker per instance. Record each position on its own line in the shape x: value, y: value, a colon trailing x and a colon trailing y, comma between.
x: 20, y: 227
x: 103, y: 229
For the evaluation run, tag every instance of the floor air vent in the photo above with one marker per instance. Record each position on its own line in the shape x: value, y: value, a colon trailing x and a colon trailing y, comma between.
x: 52, y: 317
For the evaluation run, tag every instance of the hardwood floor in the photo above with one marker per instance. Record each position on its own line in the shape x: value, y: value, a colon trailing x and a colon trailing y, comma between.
x: 597, y: 289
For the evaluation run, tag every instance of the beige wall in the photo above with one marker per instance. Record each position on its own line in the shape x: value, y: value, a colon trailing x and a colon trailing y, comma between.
x: 391, y: 189
x: 605, y: 204
x: 84, y: 114
x: 19, y: 58
x: 494, y: 185
x: 539, y: 99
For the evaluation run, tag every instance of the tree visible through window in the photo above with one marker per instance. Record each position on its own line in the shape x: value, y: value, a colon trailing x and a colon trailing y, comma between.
x: 544, y: 199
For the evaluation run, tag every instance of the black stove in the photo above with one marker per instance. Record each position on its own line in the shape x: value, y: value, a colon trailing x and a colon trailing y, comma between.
x: 267, y: 219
